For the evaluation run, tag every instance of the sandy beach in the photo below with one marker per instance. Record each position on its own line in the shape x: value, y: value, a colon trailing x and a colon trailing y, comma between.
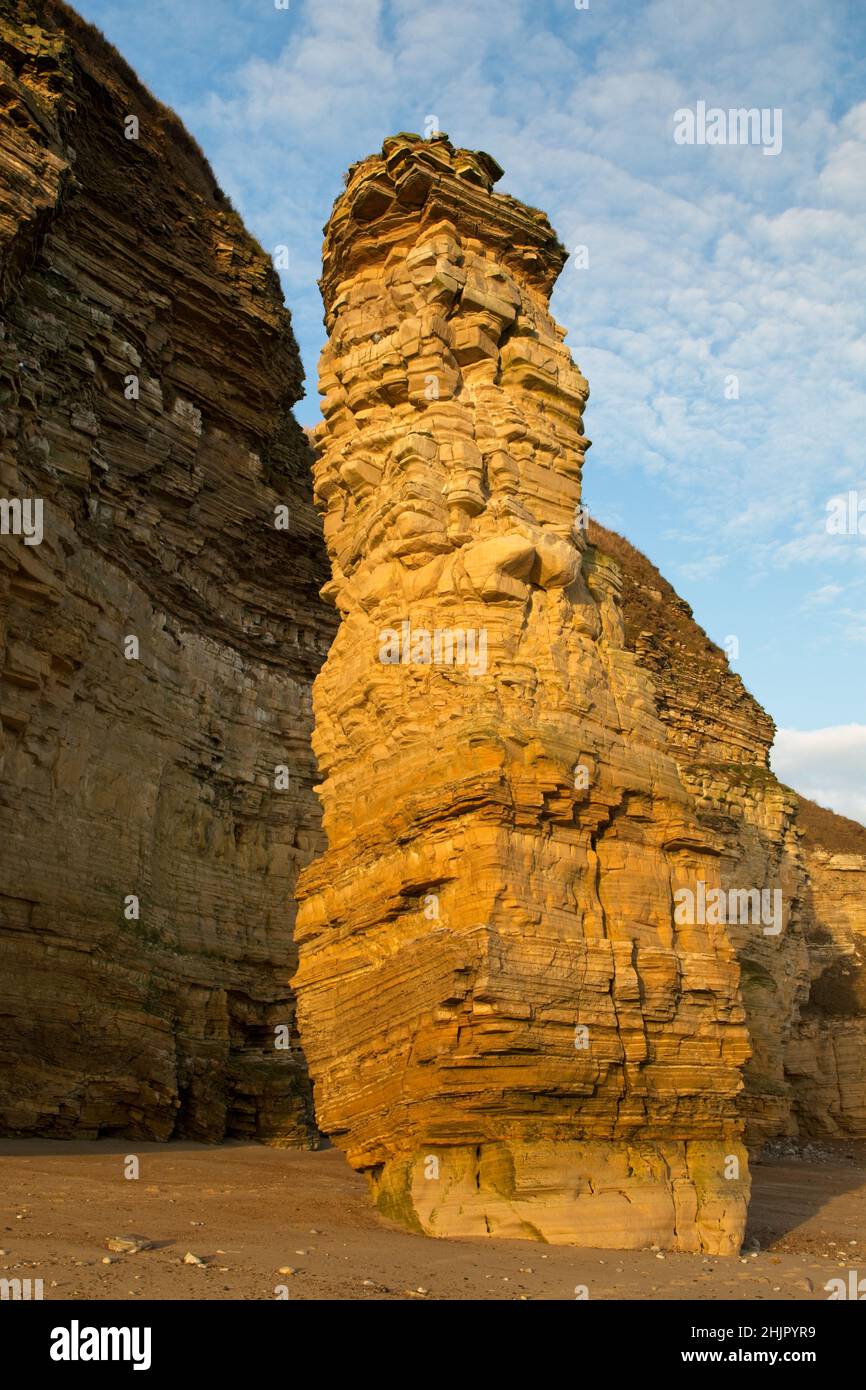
x: 249, y: 1212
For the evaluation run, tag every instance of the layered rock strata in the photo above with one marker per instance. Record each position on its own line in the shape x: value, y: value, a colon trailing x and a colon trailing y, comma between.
x: 825, y: 1058
x: 158, y: 641
x: 721, y: 738
x: 803, y: 988
x: 507, y: 1025
x: 528, y: 746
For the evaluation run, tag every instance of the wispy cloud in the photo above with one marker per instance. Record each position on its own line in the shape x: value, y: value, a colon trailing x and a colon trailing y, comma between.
x: 827, y: 765
x: 721, y: 319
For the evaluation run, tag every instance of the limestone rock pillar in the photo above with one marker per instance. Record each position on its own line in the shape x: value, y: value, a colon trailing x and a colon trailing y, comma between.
x: 506, y: 1027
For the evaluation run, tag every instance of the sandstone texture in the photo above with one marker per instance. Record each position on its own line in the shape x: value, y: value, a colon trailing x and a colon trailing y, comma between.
x: 124, y: 270
x: 528, y: 750
x: 826, y: 1053
x: 506, y: 1028
x: 803, y: 988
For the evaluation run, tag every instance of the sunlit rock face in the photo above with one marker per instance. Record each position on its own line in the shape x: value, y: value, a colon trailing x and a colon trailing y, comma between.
x: 509, y: 1026
x: 804, y: 986
x: 529, y: 749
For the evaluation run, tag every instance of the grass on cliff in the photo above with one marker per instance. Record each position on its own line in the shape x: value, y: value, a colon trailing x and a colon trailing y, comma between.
x: 112, y: 68
x: 829, y: 830
x: 650, y: 602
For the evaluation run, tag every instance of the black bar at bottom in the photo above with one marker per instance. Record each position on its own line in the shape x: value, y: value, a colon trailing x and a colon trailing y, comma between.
x: 249, y: 1338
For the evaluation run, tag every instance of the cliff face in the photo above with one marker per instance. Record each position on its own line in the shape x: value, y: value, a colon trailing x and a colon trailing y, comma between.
x: 720, y: 738
x: 826, y: 1054
x: 507, y: 1028
x: 533, y: 759
x: 147, y: 374
x: 804, y: 989
x: 537, y: 770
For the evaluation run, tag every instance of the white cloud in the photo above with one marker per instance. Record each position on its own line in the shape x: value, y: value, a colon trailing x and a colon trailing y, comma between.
x: 843, y: 178
x: 705, y: 263
x: 827, y: 593
x: 827, y: 765
x: 699, y: 570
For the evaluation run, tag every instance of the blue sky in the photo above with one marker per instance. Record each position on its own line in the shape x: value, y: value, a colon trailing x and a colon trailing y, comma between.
x: 704, y: 263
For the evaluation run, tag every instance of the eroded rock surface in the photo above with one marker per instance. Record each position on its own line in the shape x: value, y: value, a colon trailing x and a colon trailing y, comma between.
x: 147, y: 374
x: 826, y: 1053
x: 506, y: 1027
x: 803, y: 988
x: 528, y: 747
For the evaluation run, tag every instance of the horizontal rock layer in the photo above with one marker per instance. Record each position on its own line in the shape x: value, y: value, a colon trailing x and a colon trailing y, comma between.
x: 804, y: 988
x: 824, y: 1058
x: 506, y: 1027
x: 527, y: 745
x: 147, y: 374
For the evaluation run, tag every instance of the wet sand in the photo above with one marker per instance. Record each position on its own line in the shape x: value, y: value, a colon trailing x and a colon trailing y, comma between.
x: 249, y: 1211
